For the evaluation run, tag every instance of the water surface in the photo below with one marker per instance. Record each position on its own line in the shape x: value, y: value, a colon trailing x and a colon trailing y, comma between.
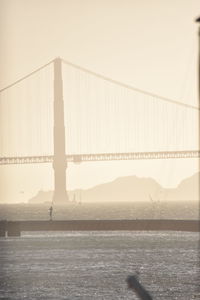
x: 94, y: 265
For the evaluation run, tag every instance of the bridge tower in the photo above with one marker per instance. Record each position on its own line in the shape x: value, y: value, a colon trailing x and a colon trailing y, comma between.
x: 59, y: 160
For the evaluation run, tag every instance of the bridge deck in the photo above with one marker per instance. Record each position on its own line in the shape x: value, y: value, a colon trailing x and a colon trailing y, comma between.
x: 78, y: 158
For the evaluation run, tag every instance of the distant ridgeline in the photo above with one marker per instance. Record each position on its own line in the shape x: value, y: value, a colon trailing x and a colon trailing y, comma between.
x: 130, y: 189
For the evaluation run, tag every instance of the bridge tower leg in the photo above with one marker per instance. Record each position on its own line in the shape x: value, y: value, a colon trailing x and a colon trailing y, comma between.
x: 59, y: 160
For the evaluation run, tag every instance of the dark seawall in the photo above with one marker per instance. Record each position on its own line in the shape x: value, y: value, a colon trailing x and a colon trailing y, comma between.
x: 14, y: 228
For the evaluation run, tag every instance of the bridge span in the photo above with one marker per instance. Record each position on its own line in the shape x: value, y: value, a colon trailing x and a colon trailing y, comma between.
x: 78, y: 158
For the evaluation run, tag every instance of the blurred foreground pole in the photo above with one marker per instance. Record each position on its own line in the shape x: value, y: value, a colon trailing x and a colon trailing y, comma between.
x: 198, y: 21
x: 140, y: 291
x: 132, y: 281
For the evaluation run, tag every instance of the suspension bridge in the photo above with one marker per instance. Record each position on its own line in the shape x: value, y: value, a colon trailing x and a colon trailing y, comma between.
x: 63, y: 113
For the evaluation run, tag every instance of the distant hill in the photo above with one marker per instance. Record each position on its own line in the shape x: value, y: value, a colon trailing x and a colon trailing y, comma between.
x: 41, y: 197
x: 187, y: 190
x: 129, y: 189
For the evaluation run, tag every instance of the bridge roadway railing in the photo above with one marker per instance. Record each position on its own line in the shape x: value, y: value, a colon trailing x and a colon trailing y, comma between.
x: 78, y: 158
x: 14, y: 228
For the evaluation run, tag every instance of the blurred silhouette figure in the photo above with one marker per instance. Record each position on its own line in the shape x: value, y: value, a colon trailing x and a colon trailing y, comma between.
x: 51, y: 213
x: 140, y: 291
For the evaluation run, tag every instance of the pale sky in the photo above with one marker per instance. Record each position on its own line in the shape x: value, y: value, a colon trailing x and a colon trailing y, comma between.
x: 149, y: 44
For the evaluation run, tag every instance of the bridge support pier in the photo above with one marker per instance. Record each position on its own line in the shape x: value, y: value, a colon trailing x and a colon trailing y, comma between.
x: 60, y: 193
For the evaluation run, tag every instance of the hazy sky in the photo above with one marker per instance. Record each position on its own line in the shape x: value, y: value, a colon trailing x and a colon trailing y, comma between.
x: 149, y: 44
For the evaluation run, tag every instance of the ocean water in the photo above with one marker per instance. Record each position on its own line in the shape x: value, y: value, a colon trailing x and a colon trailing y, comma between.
x: 94, y: 265
x: 86, y: 211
